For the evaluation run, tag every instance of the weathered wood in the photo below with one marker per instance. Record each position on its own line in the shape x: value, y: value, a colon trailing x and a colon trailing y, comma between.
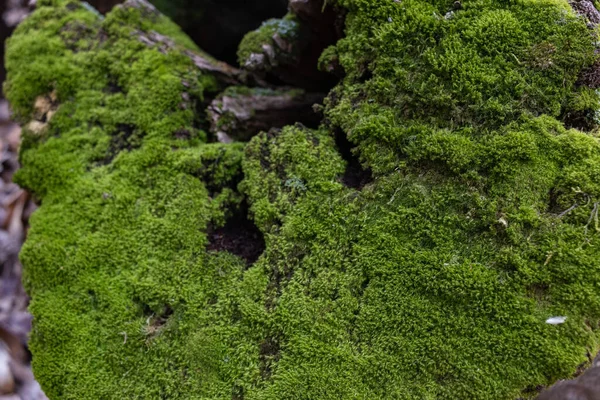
x: 288, y: 49
x: 239, y: 115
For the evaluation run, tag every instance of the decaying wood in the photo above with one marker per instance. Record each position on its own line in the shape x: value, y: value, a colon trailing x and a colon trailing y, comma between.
x: 241, y: 116
x: 223, y: 72
x: 293, y: 59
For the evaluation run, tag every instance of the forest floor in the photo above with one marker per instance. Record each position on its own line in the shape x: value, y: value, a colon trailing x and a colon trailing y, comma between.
x: 16, y: 378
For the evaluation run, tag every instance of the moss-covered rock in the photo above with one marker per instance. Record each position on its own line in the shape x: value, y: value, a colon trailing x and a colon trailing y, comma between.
x: 433, y: 280
x: 112, y: 276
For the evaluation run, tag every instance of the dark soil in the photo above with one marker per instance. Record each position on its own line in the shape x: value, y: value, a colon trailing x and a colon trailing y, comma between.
x: 355, y: 176
x: 239, y: 236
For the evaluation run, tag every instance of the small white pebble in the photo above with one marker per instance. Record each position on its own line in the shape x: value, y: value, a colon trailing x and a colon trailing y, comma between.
x: 556, y: 320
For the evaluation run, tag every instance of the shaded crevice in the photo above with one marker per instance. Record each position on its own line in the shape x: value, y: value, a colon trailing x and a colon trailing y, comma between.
x: 287, y: 51
x: 355, y: 176
x: 239, y: 236
x: 165, y: 311
x: 155, y: 320
x: 238, y: 114
x: 280, y: 276
x: 237, y: 393
x: 162, y: 317
x: 365, y: 75
x: 215, y: 187
x: 113, y: 87
x: 201, y: 119
x: 182, y: 134
x: 269, y: 355
x: 583, y: 120
x: 553, y: 201
x: 125, y: 139
x: 274, y: 289
x: 227, y: 20
x: 364, y: 285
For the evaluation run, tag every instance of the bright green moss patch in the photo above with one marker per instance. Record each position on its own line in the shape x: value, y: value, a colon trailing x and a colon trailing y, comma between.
x: 423, y: 285
x: 115, y: 256
x: 433, y: 281
x: 436, y: 279
x: 288, y: 165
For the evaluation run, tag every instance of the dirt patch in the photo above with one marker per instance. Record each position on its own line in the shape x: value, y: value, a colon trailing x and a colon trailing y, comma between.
x: 239, y: 236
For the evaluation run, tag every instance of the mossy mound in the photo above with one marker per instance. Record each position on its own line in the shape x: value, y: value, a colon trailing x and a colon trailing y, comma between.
x: 475, y: 218
x: 123, y: 149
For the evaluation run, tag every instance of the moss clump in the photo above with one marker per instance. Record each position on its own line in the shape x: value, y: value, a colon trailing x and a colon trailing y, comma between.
x: 433, y: 281
x: 276, y: 39
x: 116, y: 253
x: 436, y: 279
x: 290, y: 164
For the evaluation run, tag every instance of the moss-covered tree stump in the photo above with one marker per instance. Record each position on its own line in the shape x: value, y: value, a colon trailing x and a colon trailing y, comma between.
x: 410, y: 245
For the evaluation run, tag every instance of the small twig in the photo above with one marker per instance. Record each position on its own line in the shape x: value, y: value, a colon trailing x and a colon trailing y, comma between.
x: 550, y: 255
x: 518, y: 61
x: 594, y: 217
x: 394, y: 195
x: 568, y: 210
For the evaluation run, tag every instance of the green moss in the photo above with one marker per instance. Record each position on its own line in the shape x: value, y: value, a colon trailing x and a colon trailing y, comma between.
x: 287, y: 29
x: 147, y: 18
x: 107, y: 260
x: 424, y: 283
x: 433, y: 281
x: 299, y: 161
x: 436, y: 279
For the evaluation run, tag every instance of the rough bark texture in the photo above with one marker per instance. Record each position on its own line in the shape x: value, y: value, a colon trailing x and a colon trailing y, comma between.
x: 435, y: 236
x: 240, y: 113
